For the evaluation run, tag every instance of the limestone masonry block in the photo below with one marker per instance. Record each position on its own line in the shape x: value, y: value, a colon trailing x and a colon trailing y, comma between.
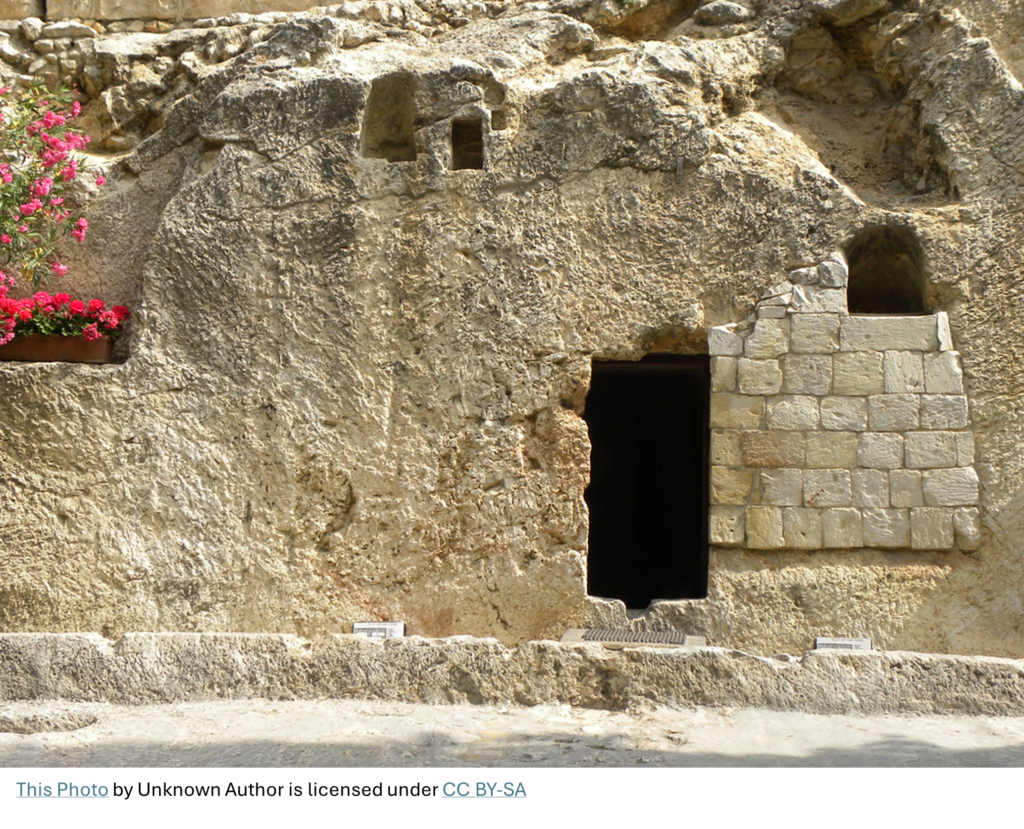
x: 858, y: 373
x: 833, y: 273
x: 905, y: 488
x: 929, y: 450
x: 870, y: 488
x: 888, y: 334
x: 827, y: 488
x: 773, y: 449
x: 831, y: 450
x: 943, y: 411
x: 20, y: 9
x: 844, y: 414
x: 801, y: 528
x: 725, y: 447
x: 944, y: 333
x: 782, y: 487
x: 880, y: 450
x: 950, y: 487
x: 724, y: 342
x: 736, y: 411
x: 730, y: 486
x: 814, y: 333
x: 770, y: 338
x: 842, y: 528
x: 904, y: 372
x: 759, y: 376
x: 967, y: 527
x: 723, y: 374
x: 886, y: 528
x: 894, y: 412
x: 727, y: 526
x: 931, y: 528
x: 964, y: 449
x: 774, y: 312
x: 943, y: 374
x: 792, y: 412
x: 764, y: 528
x: 810, y: 299
x: 807, y: 374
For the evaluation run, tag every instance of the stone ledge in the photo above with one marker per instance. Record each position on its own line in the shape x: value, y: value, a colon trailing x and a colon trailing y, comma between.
x: 176, y: 667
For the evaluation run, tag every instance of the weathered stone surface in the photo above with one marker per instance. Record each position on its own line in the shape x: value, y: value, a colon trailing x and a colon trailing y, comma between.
x: 792, y: 412
x: 812, y: 299
x: 724, y: 342
x: 931, y: 528
x: 870, y: 488
x: 929, y: 450
x: 759, y: 377
x: 943, y: 411
x: 857, y: 374
x: 730, y: 486
x: 764, y: 528
x: 782, y: 487
x: 807, y: 374
x: 770, y: 338
x: 18, y: 9
x: 719, y: 12
x: 735, y: 411
x: 815, y: 334
x: 801, y: 528
x: 905, y: 488
x: 842, y: 528
x: 726, y: 447
x: 894, y: 412
x: 152, y: 668
x: 773, y: 449
x: 967, y: 527
x: 950, y: 487
x: 880, y: 451
x: 727, y: 526
x: 904, y: 372
x: 723, y: 374
x: 886, y: 528
x: 844, y: 413
x: 942, y: 373
x: 827, y: 488
x: 888, y: 334
x: 831, y: 450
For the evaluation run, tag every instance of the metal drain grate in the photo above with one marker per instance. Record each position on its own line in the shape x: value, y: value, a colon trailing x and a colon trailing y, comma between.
x: 627, y: 638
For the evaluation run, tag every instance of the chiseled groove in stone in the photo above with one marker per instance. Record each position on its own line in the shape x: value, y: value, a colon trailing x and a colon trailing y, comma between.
x: 152, y: 668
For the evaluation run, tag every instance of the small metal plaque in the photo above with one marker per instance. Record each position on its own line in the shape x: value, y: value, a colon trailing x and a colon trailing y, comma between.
x: 634, y: 638
x: 839, y: 643
x: 379, y: 630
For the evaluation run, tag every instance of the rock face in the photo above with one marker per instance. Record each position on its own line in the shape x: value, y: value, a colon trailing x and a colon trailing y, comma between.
x: 371, y: 270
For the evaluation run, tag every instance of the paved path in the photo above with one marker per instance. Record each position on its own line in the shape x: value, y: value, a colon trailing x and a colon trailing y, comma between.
x: 347, y: 733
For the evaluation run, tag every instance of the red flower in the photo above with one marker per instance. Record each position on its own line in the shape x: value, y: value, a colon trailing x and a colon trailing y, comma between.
x: 91, y: 332
x: 95, y: 306
x: 77, y: 307
x: 120, y: 312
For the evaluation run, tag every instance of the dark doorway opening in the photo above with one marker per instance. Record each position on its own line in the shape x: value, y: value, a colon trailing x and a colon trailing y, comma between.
x: 390, y: 119
x: 468, y: 144
x: 648, y: 493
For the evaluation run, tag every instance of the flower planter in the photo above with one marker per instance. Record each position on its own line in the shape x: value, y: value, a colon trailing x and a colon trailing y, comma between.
x: 54, y: 348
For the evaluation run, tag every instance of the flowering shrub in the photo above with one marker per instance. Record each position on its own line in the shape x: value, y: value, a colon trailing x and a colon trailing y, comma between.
x: 58, y: 314
x: 37, y: 166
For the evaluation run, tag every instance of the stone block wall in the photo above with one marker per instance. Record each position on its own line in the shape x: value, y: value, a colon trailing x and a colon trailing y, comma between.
x: 832, y: 431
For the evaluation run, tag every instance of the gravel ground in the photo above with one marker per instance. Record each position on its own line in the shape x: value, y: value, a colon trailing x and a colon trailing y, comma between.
x: 347, y: 733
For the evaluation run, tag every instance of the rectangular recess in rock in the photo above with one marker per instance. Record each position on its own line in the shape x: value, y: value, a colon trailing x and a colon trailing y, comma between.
x: 648, y: 492
x: 467, y: 144
x: 389, y: 118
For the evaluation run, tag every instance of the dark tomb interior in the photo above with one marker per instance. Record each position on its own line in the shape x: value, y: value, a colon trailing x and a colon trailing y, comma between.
x: 648, y: 493
x: 468, y: 144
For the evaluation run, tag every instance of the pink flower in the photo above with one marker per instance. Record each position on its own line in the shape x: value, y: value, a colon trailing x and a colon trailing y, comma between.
x: 69, y: 172
x: 22, y: 228
x: 76, y: 108
x: 91, y: 332
x: 5, y: 239
x: 59, y: 269
x: 101, y: 180
x: 62, y: 299
x: 57, y: 202
x: 42, y: 187
x: 51, y: 158
x: 79, y: 232
x: 31, y: 207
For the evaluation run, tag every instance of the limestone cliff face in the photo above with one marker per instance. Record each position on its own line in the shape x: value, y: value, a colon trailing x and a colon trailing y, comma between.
x: 371, y: 270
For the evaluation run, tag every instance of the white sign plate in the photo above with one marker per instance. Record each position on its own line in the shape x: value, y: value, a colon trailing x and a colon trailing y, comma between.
x: 379, y: 630
x: 824, y: 642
